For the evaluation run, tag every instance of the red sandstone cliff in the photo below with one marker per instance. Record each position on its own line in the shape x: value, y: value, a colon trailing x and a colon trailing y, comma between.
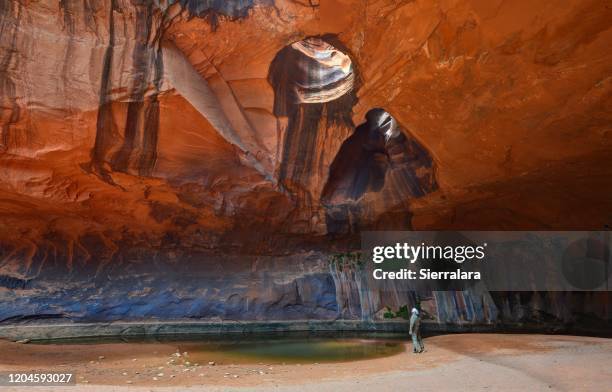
x: 168, y: 124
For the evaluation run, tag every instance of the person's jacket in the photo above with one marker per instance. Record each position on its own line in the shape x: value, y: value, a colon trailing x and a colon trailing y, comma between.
x: 415, y: 323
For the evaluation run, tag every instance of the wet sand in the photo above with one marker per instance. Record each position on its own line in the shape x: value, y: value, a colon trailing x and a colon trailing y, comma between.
x: 457, y: 362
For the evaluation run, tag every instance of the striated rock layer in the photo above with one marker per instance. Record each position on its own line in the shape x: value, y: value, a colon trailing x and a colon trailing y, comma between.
x: 206, y: 159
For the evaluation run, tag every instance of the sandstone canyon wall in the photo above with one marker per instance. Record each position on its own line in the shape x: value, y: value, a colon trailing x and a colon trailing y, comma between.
x: 206, y: 159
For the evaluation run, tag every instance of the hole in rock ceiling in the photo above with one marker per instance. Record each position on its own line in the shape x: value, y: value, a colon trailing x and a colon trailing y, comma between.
x: 310, y: 71
x: 322, y: 74
x: 382, y: 160
x: 314, y: 83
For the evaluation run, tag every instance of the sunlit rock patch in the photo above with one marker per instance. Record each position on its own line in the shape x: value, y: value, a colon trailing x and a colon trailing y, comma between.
x: 323, y: 72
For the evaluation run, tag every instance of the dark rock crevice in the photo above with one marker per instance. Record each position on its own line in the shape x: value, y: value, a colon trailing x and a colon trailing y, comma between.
x: 13, y: 283
x: 137, y: 152
x: 104, y: 123
x: 142, y: 113
x: 213, y: 10
x: 381, y: 166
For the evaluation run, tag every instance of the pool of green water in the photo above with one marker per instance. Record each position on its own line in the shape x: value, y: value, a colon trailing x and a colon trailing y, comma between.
x: 267, y: 350
x: 288, y: 350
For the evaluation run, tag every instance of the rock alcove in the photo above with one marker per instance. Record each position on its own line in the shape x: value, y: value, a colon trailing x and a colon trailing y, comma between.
x: 323, y: 158
x: 314, y: 93
x: 193, y: 138
x: 379, y: 166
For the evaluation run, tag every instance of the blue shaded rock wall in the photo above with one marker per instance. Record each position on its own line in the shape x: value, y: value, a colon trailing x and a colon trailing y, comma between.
x: 202, y: 286
x: 305, y: 286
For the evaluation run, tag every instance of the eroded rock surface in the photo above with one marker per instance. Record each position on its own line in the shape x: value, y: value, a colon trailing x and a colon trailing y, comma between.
x: 141, y: 137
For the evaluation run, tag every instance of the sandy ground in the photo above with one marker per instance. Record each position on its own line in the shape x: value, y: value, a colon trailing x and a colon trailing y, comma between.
x: 452, y: 362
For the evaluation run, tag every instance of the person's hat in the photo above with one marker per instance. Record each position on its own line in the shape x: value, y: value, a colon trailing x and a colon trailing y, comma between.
x: 414, y: 310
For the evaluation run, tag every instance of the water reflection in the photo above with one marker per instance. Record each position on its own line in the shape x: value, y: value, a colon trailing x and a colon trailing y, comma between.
x: 275, y: 349
x: 290, y: 350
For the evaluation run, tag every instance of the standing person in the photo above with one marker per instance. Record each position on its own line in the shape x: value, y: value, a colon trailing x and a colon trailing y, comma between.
x: 415, y: 331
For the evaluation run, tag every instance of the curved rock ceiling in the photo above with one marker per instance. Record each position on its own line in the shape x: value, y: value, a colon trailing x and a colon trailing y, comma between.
x: 134, y: 130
